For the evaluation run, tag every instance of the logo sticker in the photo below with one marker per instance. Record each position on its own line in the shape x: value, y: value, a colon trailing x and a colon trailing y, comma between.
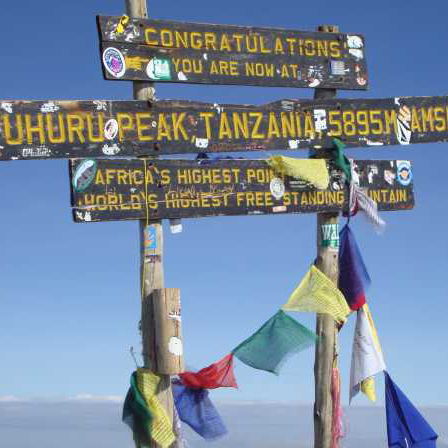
x: 110, y: 150
x: 320, y: 119
x: 337, y: 67
x: 404, y: 172
x: 277, y: 188
x: 114, y: 62
x: 159, y: 69
x: 404, y: 131
x: 111, y: 129
x: 330, y: 236
x: 354, y: 42
x: 150, y: 238
x: 84, y: 175
x: 358, y: 54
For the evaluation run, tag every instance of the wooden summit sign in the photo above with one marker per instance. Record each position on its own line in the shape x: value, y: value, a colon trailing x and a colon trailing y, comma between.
x: 104, y: 190
x: 159, y: 50
x: 78, y: 129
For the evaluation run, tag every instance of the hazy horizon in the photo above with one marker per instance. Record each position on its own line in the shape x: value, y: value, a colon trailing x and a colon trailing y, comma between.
x: 88, y: 421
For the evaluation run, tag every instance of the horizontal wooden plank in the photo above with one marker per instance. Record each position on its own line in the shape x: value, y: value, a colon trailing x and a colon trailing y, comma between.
x: 105, y: 190
x: 167, y: 51
x: 78, y: 129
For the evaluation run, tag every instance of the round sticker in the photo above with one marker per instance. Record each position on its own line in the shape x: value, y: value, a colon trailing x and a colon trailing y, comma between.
x: 354, y: 42
x: 111, y: 129
x: 111, y: 150
x: 175, y: 346
x: 159, y: 69
x: 84, y: 175
x: 277, y: 188
x: 404, y: 172
x: 114, y: 62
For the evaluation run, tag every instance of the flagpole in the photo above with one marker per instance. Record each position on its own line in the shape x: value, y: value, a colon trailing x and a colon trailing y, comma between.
x: 327, y: 262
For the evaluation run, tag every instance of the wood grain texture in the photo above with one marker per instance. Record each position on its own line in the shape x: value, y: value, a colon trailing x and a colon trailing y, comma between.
x: 151, y: 273
x: 76, y: 129
x: 167, y: 51
x: 168, y: 335
x: 115, y: 189
x: 327, y: 262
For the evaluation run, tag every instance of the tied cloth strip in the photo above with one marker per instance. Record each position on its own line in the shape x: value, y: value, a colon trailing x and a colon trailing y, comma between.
x: 406, y: 427
x: 137, y: 415
x: 197, y: 411
x: 314, y: 171
x: 272, y: 344
x: 367, y: 358
x: 219, y: 374
x: 358, y: 199
x: 161, y: 430
x: 353, y: 276
x: 338, y: 427
x: 316, y: 293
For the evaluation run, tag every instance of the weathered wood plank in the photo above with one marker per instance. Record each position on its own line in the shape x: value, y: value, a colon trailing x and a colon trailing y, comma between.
x: 105, y: 190
x: 78, y: 129
x: 167, y: 51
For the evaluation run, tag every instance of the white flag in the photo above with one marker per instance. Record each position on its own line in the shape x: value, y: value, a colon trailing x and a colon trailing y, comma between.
x: 367, y: 359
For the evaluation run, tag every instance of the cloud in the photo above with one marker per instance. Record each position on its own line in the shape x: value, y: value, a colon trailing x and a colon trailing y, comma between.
x: 90, y: 421
x: 97, y: 398
x: 9, y: 399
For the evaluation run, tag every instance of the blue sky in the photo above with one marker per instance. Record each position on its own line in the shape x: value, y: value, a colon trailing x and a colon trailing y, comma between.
x: 70, y: 294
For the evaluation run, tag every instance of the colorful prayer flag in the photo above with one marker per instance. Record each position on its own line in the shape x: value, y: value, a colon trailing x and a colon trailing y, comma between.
x: 406, y: 427
x: 338, y: 426
x: 161, y: 429
x: 367, y: 358
x: 353, y: 276
x: 197, y: 411
x: 271, y: 345
x: 137, y: 415
x: 368, y: 388
x: 219, y: 374
x: 314, y: 171
x: 316, y: 293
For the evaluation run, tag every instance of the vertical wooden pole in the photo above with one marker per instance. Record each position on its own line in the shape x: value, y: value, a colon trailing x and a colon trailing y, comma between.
x: 327, y: 262
x: 151, y: 258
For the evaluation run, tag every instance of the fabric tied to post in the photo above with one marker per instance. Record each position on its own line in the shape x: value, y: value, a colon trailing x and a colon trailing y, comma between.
x: 340, y: 160
x: 338, y: 426
x: 316, y: 293
x: 406, y: 427
x: 219, y: 374
x: 137, y: 415
x: 367, y: 358
x: 359, y: 201
x: 272, y: 344
x: 177, y: 428
x: 162, y: 428
x: 197, y: 411
x: 314, y: 171
x: 353, y: 276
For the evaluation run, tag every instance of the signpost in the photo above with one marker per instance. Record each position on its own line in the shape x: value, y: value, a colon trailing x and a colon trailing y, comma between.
x: 104, y: 190
x: 78, y: 129
x: 166, y: 51
x: 150, y: 189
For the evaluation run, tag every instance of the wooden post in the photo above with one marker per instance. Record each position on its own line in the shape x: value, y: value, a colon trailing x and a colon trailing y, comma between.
x: 151, y: 261
x: 327, y: 262
x: 167, y: 323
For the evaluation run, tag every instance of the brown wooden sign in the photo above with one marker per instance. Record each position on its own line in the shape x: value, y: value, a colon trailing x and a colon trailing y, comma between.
x: 104, y: 190
x: 165, y: 51
x: 79, y: 129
